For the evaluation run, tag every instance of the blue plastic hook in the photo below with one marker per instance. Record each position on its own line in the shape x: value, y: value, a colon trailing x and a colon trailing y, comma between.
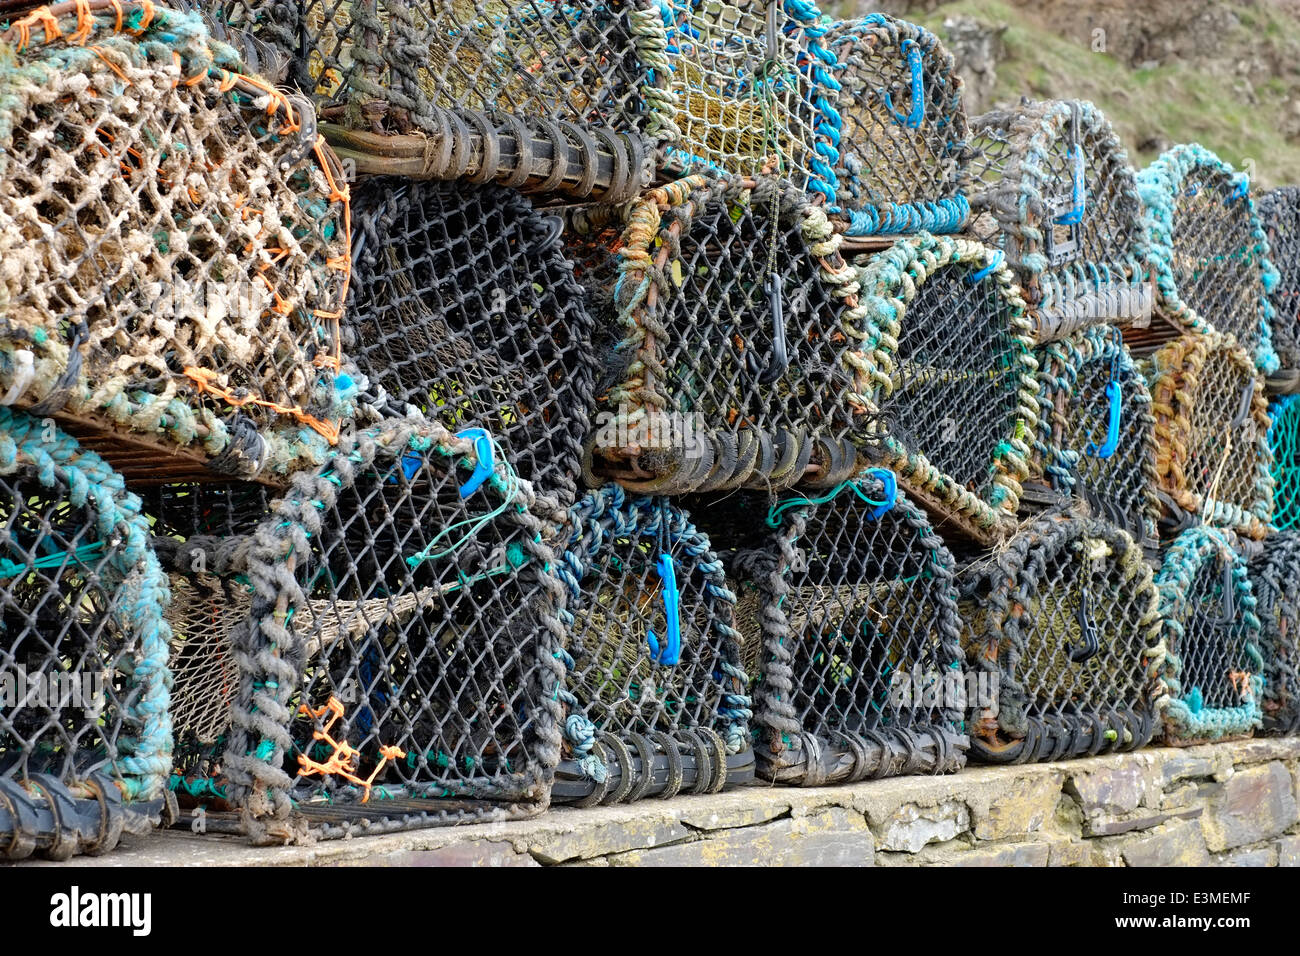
x: 672, y: 653
x: 913, y: 119
x: 483, y: 451
x: 1078, y: 195
x: 1115, y: 395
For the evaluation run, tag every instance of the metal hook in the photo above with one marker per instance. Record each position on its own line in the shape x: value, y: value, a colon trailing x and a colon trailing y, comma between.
x: 780, y: 360
x: 1228, y: 614
x: 1091, y: 643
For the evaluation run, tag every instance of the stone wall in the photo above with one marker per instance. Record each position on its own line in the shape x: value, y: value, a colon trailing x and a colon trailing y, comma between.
x: 1226, y: 804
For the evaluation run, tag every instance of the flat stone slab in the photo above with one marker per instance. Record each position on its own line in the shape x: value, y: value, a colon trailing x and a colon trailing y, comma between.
x: 1233, y: 804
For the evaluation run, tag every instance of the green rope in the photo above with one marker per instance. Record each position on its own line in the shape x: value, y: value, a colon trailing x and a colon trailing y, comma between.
x: 11, y: 569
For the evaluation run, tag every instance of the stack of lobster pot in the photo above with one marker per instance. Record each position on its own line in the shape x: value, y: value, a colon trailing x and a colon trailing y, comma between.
x: 746, y: 378
x: 1058, y: 597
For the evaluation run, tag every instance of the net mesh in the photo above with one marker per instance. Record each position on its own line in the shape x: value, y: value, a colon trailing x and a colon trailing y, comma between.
x: 1065, y: 617
x: 1210, y: 665
x: 848, y: 608
x: 1056, y: 192
x: 1212, y: 454
x: 891, y: 150
x: 465, y: 306
x: 733, y: 93
x: 173, y: 239
x: 1275, y: 580
x: 655, y: 655
x: 737, y: 362
x: 396, y: 66
x: 1279, y: 211
x: 84, y: 726
x: 1207, y: 248
x: 1075, y: 449
x: 1284, y: 443
x: 405, y: 651
x: 957, y: 404
x: 201, y: 534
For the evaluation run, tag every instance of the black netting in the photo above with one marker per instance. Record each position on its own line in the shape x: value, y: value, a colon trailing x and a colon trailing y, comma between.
x: 201, y: 533
x: 465, y: 306
x: 1064, y: 620
x: 1055, y: 191
x: 1210, y: 663
x: 959, y: 407
x: 85, y: 738
x: 395, y: 66
x: 1212, y: 453
x: 1279, y: 211
x: 1096, y: 437
x: 735, y: 362
x: 173, y: 243
x: 848, y: 610
x: 1207, y: 248
x: 1275, y: 581
x: 656, y: 697
x: 405, y: 651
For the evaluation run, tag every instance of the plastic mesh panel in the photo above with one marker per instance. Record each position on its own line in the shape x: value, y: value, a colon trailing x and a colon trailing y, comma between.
x: 1279, y: 211
x: 1284, y: 443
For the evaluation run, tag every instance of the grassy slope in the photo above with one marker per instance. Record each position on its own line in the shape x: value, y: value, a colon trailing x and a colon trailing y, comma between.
x: 1178, y: 102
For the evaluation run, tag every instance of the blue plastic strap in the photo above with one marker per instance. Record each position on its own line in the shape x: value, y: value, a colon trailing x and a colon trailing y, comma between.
x: 672, y: 653
x: 1079, y: 193
x: 890, y: 483
x: 913, y: 119
x: 1115, y: 394
x: 995, y: 260
x: 485, y: 465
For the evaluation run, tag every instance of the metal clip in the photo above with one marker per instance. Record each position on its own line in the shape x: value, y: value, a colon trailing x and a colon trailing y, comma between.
x: 776, y: 306
x: 1091, y: 643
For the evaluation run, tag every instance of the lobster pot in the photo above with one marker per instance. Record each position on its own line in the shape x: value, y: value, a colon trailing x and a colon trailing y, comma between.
x: 174, y: 247
x: 85, y: 733
x: 1284, y: 443
x: 1060, y: 627
x: 1096, y: 433
x: 848, y: 607
x: 404, y: 653
x: 556, y: 98
x: 1207, y: 250
x: 1212, y: 425
x: 891, y: 147
x: 1055, y: 191
x: 1275, y: 580
x: 957, y: 404
x: 732, y: 87
x: 465, y: 306
x: 1209, y: 667
x: 656, y: 700
x: 1279, y: 211
x: 733, y: 359
x: 201, y: 534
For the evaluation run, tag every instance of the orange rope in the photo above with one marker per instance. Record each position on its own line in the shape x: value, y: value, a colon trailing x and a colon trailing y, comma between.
x: 205, y: 381
x: 85, y: 24
x: 343, y: 761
